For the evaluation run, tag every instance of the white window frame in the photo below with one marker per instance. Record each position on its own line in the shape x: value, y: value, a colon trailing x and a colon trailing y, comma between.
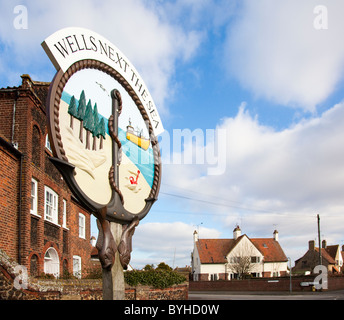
x: 64, y: 217
x: 47, y: 143
x: 34, y: 197
x: 82, y: 226
x: 77, y: 266
x: 51, y: 200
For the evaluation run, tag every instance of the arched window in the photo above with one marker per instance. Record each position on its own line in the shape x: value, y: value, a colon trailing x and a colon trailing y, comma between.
x: 52, y: 262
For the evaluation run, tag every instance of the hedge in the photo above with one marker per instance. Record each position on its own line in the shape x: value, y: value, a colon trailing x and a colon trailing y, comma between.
x: 156, y: 278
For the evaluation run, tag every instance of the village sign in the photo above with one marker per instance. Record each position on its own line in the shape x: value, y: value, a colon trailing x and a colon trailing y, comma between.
x: 102, y: 124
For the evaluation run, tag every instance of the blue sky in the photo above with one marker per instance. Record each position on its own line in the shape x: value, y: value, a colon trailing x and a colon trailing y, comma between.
x: 267, y: 75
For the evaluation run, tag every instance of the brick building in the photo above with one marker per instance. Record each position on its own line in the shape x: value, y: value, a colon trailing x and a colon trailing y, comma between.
x: 331, y: 256
x: 42, y: 226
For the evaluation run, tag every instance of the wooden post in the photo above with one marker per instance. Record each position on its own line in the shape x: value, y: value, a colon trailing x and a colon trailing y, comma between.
x: 113, y: 278
x: 117, y: 274
x: 320, y: 256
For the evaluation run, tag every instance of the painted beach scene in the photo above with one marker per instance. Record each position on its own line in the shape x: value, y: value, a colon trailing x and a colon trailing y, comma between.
x: 85, y: 109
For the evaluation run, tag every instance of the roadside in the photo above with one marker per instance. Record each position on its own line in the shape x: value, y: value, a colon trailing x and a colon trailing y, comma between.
x: 257, y: 295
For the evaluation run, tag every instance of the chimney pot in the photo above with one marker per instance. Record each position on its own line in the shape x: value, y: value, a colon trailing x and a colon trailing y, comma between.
x: 275, y: 235
x: 195, y: 236
x: 236, y: 233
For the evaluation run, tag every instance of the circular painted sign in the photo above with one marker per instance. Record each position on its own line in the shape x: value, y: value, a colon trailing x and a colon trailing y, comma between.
x: 101, y: 134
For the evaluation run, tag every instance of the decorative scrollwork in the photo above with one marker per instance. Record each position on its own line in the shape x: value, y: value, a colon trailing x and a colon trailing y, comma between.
x: 125, y: 246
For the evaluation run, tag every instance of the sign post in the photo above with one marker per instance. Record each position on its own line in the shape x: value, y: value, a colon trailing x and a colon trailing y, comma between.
x: 102, y: 125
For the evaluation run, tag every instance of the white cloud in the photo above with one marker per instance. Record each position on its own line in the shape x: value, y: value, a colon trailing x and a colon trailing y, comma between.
x: 171, y: 243
x: 152, y: 44
x: 274, y: 179
x: 274, y: 51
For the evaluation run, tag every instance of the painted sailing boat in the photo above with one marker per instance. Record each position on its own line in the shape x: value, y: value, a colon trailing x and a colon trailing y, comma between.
x: 135, y: 136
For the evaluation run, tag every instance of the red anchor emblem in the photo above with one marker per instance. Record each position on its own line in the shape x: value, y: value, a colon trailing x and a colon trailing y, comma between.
x: 134, y: 181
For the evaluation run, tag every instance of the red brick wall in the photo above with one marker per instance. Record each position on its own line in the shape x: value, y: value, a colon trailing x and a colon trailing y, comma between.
x: 80, y: 246
x: 30, y: 134
x: 9, y: 180
x: 264, y: 284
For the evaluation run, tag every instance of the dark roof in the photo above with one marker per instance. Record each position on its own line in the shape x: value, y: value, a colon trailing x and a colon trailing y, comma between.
x: 325, y: 255
x: 332, y: 250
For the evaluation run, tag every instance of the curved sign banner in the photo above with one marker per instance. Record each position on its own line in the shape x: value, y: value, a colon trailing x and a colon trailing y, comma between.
x: 102, y: 124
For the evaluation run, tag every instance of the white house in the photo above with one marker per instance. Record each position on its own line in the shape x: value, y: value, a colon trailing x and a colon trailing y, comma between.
x: 226, y: 259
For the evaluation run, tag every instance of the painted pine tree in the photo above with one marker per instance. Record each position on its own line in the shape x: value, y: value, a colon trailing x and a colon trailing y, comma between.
x: 72, y: 110
x: 101, y: 132
x: 95, y: 127
x: 88, y: 123
x: 81, y: 114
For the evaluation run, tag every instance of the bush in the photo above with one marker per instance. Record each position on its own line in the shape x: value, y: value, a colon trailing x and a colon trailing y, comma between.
x: 46, y: 276
x: 156, y: 278
x: 67, y: 275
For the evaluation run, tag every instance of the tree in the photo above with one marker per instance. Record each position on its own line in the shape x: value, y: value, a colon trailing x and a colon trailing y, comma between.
x: 163, y: 266
x: 243, y: 261
x: 148, y: 267
x: 241, y: 265
x: 88, y: 123
x: 72, y: 110
x: 101, y: 132
x: 81, y: 113
x: 95, y: 133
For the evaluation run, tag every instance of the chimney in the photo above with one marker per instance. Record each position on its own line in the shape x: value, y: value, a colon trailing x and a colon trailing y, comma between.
x: 236, y: 233
x: 275, y: 235
x: 195, y: 236
x: 323, y: 245
x: 311, y: 245
x: 93, y: 241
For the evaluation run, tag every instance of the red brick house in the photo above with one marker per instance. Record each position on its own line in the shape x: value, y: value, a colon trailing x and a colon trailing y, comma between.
x: 42, y: 226
x: 331, y: 256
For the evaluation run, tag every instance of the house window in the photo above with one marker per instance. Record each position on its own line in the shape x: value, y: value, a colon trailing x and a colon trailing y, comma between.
x: 33, y: 208
x: 255, y: 259
x: 82, y: 223
x: 47, y: 143
x: 51, y: 205
x: 214, y: 277
x: 234, y: 260
x: 64, y: 217
x: 52, y: 262
x: 77, y: 266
